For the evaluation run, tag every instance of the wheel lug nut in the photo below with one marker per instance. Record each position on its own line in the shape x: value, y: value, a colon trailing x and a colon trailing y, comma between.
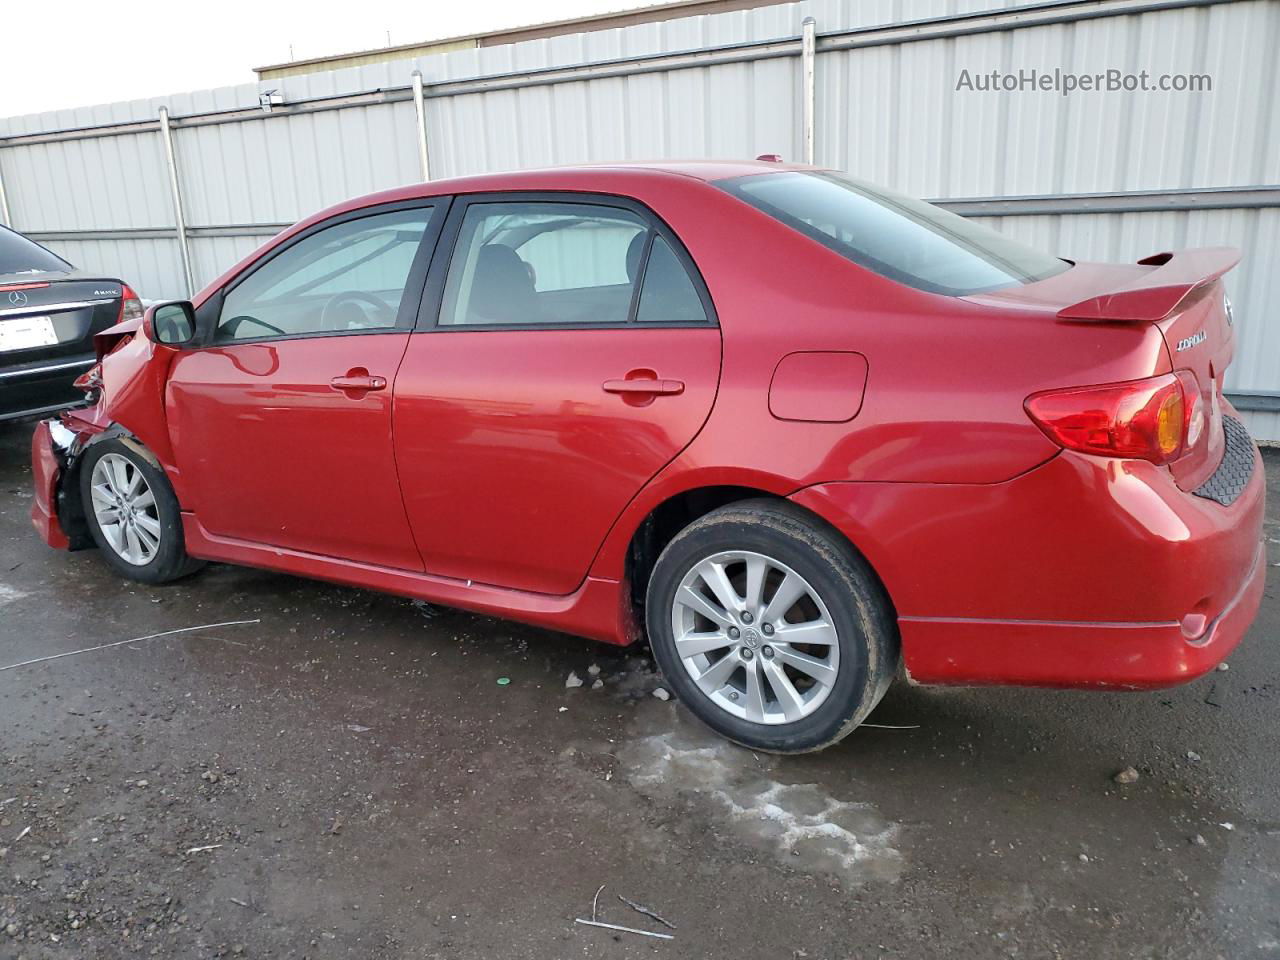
x: 768, y: 629
x: 734, y: 633
x: 746, y: 616
x: 746, y: 653
x: 767, y: 651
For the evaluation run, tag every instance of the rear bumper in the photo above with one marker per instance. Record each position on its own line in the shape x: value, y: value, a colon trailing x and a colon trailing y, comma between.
x: 1134, y: 656
x: 1085, y: 572
x: 38, y: 388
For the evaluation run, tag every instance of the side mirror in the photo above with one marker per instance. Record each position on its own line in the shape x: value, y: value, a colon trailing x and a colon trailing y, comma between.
x: 172, y: 323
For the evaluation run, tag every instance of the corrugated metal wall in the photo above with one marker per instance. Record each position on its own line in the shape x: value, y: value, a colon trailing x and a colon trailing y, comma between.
x: 1100, y: 175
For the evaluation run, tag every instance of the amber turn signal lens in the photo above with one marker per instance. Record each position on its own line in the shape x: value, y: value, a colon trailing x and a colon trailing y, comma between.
x: 1169, y: 424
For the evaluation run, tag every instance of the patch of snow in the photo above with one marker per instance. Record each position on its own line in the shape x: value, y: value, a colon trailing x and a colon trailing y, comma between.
x: 798, y: 822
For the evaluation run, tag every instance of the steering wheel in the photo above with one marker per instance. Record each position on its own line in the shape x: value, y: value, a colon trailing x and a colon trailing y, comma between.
x: 382, y: 316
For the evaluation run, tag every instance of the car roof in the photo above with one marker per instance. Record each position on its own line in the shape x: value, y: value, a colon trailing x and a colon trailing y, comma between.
x: 623, y: 179
x: 589, y: 177
x: 706, y: 170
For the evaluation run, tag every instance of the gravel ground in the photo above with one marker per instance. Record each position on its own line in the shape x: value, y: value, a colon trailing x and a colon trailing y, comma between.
x: 349, y: 776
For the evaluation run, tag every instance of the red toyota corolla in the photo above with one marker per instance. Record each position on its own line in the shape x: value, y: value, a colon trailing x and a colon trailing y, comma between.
x: 797, y: 429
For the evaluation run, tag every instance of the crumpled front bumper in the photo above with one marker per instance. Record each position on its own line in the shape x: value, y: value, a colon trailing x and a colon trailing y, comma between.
x: 55, y: 446
x: 46, y: 471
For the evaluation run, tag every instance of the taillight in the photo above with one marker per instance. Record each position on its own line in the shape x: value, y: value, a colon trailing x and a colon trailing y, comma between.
x: 1156, y: 419
x: 1197, y: 420
x: 131, y: 305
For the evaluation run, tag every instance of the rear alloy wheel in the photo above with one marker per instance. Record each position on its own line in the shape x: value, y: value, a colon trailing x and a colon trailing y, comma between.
x: 133, y: 514
x: 771, y: 630
x: 767, y: 662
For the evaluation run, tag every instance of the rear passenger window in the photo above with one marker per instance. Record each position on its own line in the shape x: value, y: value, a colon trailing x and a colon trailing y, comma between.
x: 668, y: 294
x: 543, y: 263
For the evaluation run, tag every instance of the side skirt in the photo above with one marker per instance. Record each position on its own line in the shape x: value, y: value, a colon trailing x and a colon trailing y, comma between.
x: 598, y: 609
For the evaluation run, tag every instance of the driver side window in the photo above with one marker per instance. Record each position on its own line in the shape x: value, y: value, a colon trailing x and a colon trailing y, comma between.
x: 350, y: 276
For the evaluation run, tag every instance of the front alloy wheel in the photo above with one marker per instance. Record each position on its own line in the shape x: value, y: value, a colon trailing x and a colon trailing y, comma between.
x: 132, y: 512
x: 125, y: 508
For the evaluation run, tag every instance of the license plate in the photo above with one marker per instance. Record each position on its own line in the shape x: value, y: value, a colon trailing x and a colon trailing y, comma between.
x: 27, y: 332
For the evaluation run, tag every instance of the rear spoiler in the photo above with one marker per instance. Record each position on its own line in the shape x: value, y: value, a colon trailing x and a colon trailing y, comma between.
x: 1159, y: 293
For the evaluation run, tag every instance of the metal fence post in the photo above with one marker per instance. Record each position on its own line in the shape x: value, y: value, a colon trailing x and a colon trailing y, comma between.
x: 5, y: 218
x: 179, y: 217
x: 420, y: 108
x: 808, y: 54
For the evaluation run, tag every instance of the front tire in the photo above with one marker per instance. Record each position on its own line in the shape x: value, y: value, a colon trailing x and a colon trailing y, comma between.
x: 771, y: 629
x: 133, y: 514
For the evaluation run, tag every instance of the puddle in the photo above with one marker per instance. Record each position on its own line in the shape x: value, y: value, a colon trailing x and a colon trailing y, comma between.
x: 800, y: 823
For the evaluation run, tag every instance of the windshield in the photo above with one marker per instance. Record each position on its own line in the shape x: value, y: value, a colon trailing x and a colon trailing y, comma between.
x: 898, y: 237
x: 20, y: 255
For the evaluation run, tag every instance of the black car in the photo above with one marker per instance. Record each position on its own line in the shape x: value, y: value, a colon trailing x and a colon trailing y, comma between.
x: 49, y: 312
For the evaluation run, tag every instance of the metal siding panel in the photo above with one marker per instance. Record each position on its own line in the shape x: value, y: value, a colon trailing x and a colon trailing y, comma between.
x: 151, y: 267
x: 1264, y: 426
x: 887, y: 113
x: 1239, y: 131
x: 1126, y: 237
x: 87, y: 184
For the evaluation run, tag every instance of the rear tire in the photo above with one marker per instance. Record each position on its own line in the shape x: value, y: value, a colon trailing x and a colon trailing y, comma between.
x: 770, y: 628
x: 133, y: 514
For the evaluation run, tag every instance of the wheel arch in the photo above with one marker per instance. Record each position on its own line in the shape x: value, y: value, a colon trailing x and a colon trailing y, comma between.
x: 70, y: 503
x: 665, y: 519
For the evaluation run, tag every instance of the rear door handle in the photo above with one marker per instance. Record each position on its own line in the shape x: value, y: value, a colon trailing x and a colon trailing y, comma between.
x: 358, y: 381
x: 644, y: 387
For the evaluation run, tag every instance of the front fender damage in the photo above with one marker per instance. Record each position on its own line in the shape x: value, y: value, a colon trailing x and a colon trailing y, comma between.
x: 55, y: 458
x: 57, y: 448
x: 126, y: 401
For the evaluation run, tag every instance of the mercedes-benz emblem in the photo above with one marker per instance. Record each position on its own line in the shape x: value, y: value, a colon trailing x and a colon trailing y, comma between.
x: 18, y: 298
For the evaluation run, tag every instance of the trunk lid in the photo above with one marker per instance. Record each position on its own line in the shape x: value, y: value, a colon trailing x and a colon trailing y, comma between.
x: 44, y: 317
x: 1181, y: 295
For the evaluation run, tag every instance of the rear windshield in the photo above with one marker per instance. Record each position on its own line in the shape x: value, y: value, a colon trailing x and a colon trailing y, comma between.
x: 20, y: 255
x: 898, y: 237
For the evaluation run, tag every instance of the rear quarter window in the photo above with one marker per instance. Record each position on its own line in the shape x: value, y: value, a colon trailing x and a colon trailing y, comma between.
x: 899, y: 237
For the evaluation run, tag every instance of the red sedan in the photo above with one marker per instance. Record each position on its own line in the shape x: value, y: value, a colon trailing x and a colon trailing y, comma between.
x: 797, y: 429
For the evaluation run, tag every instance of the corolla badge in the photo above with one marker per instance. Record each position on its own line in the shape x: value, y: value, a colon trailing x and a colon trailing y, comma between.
x: 1186, y: 343
x: 18, y: 298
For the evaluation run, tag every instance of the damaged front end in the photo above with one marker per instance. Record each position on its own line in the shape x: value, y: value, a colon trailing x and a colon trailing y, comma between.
x: 56, y: 446
x: 124, y: 395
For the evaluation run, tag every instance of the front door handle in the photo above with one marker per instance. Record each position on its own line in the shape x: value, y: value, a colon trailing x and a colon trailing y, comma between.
x: 646, y: 386
x: 358, y: 382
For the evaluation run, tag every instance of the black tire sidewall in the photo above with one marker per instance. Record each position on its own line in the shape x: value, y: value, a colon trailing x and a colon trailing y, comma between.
x: 848, y: 593
x: 170, y: 561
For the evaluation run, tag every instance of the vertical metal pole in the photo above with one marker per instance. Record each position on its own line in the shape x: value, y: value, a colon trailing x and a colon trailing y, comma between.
x: 179, y: 217
x: 420, y: 108
x: 5, y: 218
x: 808, y: 54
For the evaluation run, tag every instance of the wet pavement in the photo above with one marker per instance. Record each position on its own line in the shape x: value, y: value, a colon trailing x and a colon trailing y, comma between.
x: 347, y: 777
